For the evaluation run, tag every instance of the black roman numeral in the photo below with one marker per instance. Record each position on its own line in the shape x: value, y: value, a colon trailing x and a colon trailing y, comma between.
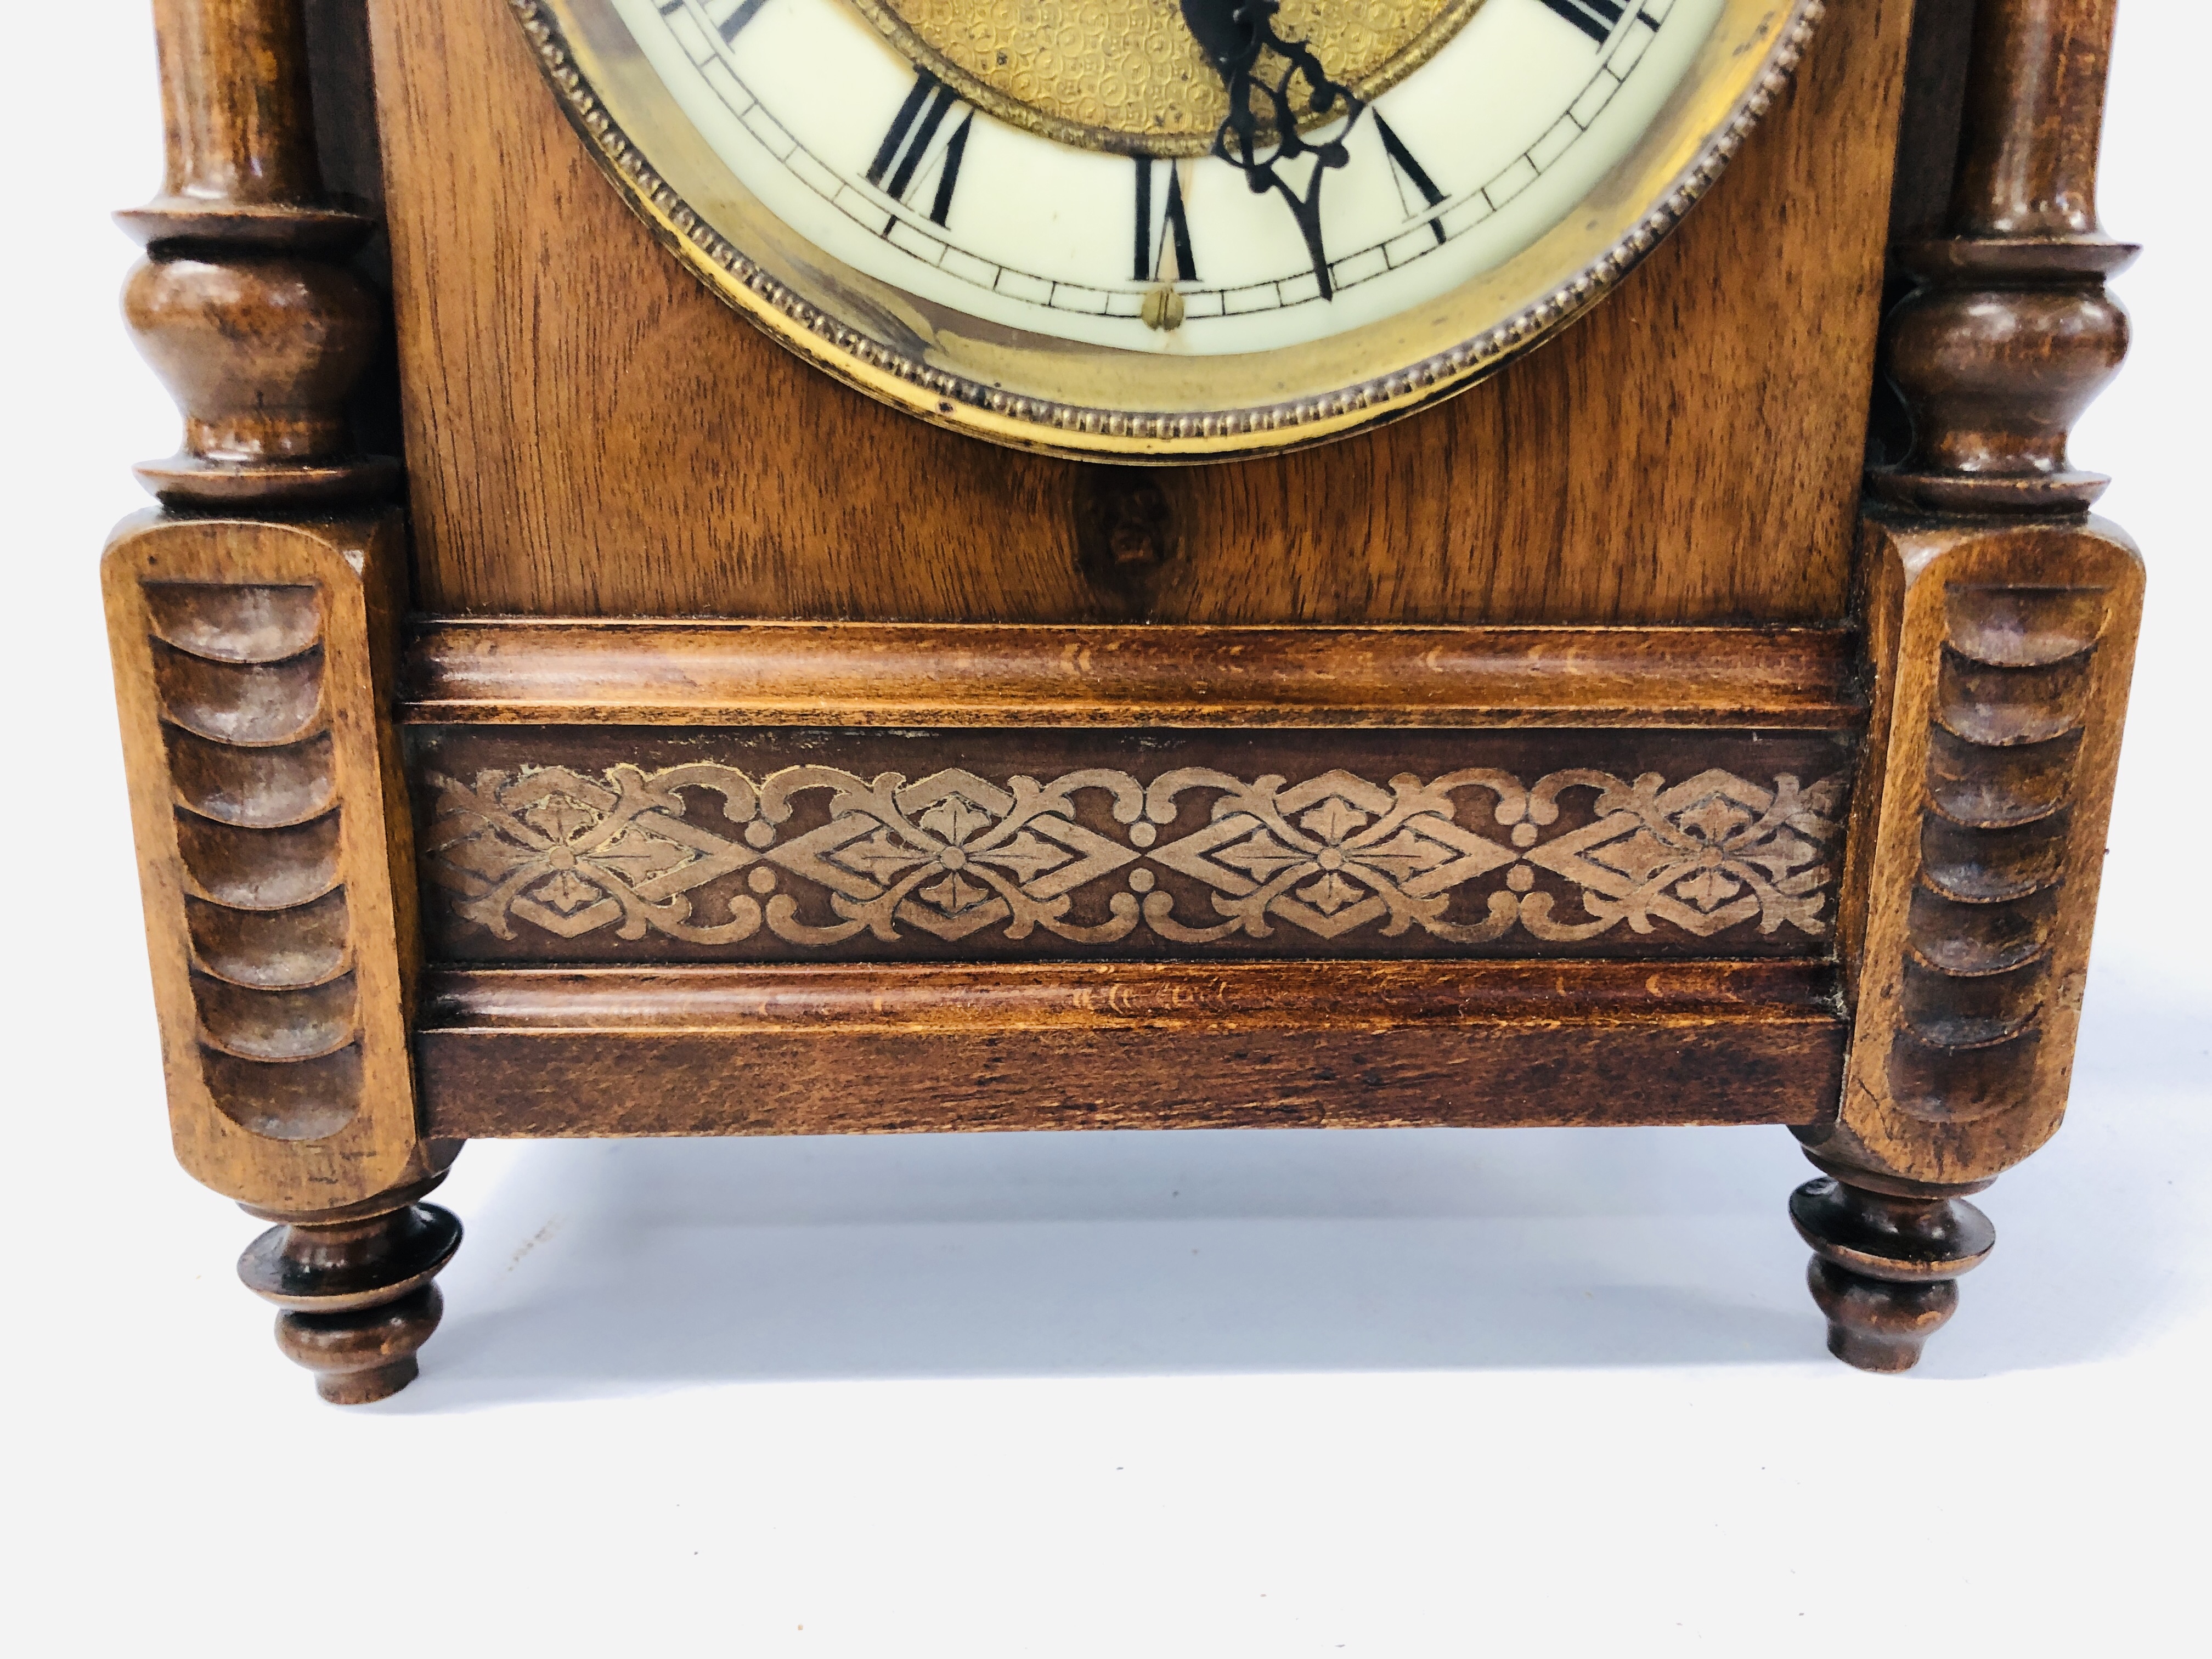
x: 949, y: 176
x: 1405, y: 170
x: 1174, y: 229
x: 1595, y: 18
x: 739, y: 15
x: 906, y: 150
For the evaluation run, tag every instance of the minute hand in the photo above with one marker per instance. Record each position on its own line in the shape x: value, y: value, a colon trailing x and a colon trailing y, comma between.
x: 1236, y: 35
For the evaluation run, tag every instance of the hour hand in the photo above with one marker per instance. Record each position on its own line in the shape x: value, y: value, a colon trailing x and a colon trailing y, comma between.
x: 1235, y: 35
x: 1225, y: 31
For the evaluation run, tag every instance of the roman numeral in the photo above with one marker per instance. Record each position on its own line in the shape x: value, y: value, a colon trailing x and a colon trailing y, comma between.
x: 1595, y: 18
x: 739, y: 15
x: 1153, y: 256
x: 905, y: 156
x: 954, y: 149
x: 1405, y: 170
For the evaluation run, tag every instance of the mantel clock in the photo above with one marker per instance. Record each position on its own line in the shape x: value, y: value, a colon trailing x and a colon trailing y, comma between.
x: 826, y: 566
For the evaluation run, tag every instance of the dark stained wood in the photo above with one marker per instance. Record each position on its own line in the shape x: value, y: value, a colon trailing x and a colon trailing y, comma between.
x: 1927, y: 124
x: 2002, y: 654
x: 254, y: 660
x: 2009, y: 333
x: 856, y: 674
x: 355, y: 1289
x: 591, y: 434
x: 845, y: 1050
x: 1887, y: 1255
x: 2034, y: 116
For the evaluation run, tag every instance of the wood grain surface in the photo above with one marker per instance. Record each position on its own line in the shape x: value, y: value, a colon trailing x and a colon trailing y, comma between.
x: 858, y: 674
x: 853, y: 1050
x: 252, y: 668
x: 1978, y: 836
x: 590, y: 433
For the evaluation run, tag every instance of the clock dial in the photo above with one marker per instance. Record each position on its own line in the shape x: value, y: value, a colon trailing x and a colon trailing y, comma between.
x: 1164, y: 227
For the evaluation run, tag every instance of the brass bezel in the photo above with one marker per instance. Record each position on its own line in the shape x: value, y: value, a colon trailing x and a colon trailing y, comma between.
x: 928, y: 361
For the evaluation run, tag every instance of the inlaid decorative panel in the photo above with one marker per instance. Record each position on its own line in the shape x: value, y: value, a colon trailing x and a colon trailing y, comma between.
x: 621, y: 845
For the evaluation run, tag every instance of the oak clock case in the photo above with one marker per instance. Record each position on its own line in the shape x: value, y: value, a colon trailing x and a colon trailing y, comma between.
x: 705, y: 749
x: 1172, y: 229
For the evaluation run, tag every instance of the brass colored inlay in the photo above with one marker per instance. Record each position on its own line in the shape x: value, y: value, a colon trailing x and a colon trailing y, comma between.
x: 1126, y: 74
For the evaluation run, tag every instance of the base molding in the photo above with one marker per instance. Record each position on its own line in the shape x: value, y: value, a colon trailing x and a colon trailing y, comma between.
x: 837, y: 1050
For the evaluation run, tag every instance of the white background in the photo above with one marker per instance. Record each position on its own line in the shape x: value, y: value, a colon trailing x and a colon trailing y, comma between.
x: 1399, y: 1393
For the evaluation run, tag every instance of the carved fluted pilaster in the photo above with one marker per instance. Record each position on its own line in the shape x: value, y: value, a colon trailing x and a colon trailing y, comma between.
x: 243, y: 304
x: 254, y: 669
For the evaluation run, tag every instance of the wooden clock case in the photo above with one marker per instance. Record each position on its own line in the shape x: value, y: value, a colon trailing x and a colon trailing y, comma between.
x: 1679, y: 727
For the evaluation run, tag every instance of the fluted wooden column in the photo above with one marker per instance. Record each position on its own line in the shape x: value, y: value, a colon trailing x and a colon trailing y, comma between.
x: 2001, y: 620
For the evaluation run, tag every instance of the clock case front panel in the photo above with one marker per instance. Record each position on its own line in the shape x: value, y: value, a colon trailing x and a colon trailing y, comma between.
x: 589, y: 432
x: 718, y: 751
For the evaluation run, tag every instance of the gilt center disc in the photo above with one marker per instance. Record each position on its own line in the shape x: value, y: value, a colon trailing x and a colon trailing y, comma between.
x: 1126, y: 74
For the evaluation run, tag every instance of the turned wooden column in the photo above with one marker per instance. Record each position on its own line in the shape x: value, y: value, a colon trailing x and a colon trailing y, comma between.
x: 2009, y: 333
x: 243, y: 304
x: 255, y: 632
x: 2000, y: 621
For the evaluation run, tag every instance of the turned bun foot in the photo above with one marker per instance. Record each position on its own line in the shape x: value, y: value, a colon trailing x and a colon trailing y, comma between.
x: 366, y: 1355
x: 1876, y: 1325
x: 356, y: 1292
x: 1887, y: 1258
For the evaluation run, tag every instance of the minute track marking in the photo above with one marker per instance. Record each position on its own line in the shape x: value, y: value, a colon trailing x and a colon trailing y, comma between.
x: 1366, y: 247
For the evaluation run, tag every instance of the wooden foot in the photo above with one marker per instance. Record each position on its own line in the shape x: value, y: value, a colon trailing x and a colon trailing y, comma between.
x: 354, y: 1287
x: 1887, y: 1254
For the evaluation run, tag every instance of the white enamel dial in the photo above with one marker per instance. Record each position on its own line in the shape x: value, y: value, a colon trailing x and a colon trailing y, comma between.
x: 1164, y: 227
x: 1459, y: 165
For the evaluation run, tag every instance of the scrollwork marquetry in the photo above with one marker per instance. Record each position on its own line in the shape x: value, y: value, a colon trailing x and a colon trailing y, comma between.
x: 827, y: 855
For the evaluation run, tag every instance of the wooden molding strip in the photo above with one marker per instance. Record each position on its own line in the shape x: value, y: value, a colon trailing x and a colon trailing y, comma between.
x: 869, y: 674
x: 1214, y: 996
x: 818, y: 1049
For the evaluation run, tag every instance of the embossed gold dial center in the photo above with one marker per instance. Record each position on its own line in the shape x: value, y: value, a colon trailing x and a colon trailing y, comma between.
x: 1126, y: 74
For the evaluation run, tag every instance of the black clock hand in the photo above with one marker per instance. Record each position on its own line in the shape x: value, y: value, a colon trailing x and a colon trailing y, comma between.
x: 1235, y: 35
